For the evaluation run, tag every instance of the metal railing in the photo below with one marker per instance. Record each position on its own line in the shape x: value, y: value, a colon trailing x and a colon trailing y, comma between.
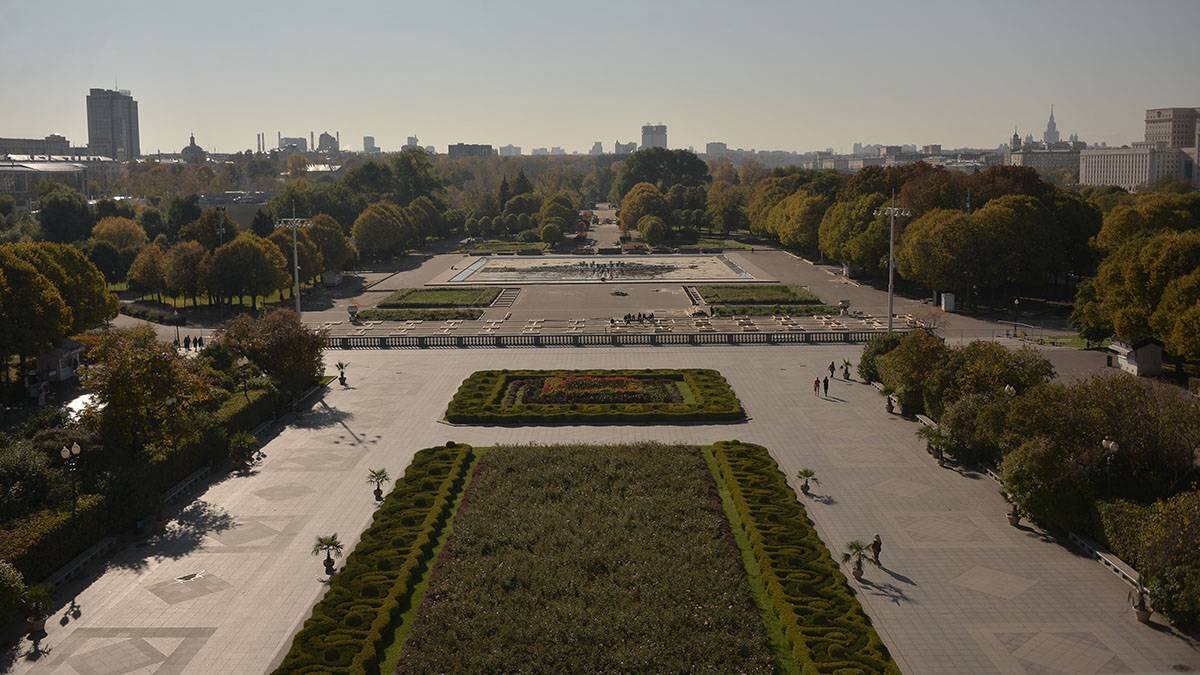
x: 443, y: 341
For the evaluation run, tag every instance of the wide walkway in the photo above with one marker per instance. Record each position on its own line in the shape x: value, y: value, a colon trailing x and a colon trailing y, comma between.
x: 226, y: 586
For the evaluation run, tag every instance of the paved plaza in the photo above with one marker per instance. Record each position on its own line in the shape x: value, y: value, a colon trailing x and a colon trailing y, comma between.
x: 224, y: 587
x: 496, y: 269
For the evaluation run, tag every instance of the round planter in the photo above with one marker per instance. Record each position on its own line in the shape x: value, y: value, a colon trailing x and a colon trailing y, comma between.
x: 804, y: 488
x: 342, y: 380
x: 858, y: 575
x: 329, y: 567
x: 35, y: 625
x: 378, y: 494
x: 1014, y: 520
x: 1143, y: 615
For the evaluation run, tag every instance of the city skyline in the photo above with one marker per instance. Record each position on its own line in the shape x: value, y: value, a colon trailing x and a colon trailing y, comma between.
x: 709, y: 73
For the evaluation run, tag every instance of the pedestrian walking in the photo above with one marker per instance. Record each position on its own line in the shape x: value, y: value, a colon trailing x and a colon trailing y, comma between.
x: 831, y: 368
x: 187, y: 342
x: 826, y: 383
x: 876, y: 547
x: 817, y: 387
x: 199, y: 342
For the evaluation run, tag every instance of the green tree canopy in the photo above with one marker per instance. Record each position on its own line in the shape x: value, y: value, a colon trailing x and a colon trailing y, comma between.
x: 148, y: 274
x: 662, y: 168
x: 186, y: 269
x: 850, y: 232
x: 64, y: 214
x: 248, y: 265
x: 79, y: 282
x: 327, y: 234
x: 643, y: 200
x: 33, y: 315
x: 123, y: 233
x: 796, y: 220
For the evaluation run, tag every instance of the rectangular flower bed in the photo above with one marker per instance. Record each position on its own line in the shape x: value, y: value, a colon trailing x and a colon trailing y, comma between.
x: 586, y: 559
x: 757, y: 294
x: 463, y: 296
x: 594, y: 397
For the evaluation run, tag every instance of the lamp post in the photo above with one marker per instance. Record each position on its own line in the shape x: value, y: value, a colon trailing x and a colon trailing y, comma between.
x: 1111, y: 448
x: 292, y: 224
x: 70, y: 455
x: 891, y: 212
x: 1016, y: 313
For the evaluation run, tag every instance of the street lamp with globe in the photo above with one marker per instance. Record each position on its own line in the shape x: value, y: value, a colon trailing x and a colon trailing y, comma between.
x: 70, y: 456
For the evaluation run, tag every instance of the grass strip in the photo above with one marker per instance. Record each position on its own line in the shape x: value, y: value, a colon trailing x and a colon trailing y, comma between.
x: 824, y: 623
x: 757, y: 294
x: 351, y: 625
x: 463, y: 296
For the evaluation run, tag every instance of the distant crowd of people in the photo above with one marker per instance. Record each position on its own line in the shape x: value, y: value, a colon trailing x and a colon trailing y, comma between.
x: 189, y: 343
x: 635, y: 318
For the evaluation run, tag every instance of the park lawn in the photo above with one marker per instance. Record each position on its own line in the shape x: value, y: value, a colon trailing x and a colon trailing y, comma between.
x: 662, y: 396
x: 465, y: 296
x: 711, y: 242
x: 422, y: 314
x: 757, y: 294
x: 589, y: 559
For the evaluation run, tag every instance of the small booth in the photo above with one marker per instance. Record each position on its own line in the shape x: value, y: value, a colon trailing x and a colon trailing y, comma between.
x: 1143, y: 357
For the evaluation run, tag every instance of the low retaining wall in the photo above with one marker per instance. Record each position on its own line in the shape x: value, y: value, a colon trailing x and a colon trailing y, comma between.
x: 595, y: 339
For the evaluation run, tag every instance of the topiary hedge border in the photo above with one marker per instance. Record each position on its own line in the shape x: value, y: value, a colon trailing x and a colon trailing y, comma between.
x: 823, y: 622
x: 350, y: 625
x: 477, y: 401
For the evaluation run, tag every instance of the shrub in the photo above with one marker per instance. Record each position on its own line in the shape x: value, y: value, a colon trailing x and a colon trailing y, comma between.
x: 975, y: 425
x: 551, y: 233
x: 12, y: 590
x: 42, y: 542
x: 486, y: 398
x: 904, y: 369
x: 25, y: 478
x: 237, y: 413
x: 824, y: 624
x: 1170, y: 559
x: 878, y: 345
x: 419, y: 314
x: 1119, y: 524
x: 349, y: 627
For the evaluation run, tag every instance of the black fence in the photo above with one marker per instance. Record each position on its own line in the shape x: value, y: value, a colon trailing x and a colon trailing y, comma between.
x: 441, y: 341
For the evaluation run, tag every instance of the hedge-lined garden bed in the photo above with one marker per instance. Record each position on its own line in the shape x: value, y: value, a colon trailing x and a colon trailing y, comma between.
x: 463, y: 296
x: 823, y: 622
x: 594, y: 397
x: 349, y: 628
x: 774, y: 310
x: 578, y: 558
x: 757, y: 294
x: 419, y: 314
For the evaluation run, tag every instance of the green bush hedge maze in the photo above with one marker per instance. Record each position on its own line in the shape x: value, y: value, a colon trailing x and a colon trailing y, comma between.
x: 350, y: 626
x: 824, y: 623
x: 594, y: 397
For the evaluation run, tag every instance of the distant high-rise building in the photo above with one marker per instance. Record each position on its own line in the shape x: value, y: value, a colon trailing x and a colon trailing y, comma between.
x: 53, y: 144
x: 327, y: 143
x: 113, y: 124
x: 470, y: 150
x: 369, y: 144
x: 1135, y: 168
x: 620, y: 148
x: 597, y: 148
x: 1050, y: 136
x: 1177, y: 127
x: 510, y: 151
x: 858, y: 149
x: 295, y: 144
x: 931, y: 149
x: 716, y: 149
x: 412, y: 142
x: 654, y: 136
x: 557, y: 151
x: 539, y: 152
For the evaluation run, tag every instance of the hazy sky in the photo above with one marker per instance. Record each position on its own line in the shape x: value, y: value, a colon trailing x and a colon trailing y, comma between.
x: 767, y: 75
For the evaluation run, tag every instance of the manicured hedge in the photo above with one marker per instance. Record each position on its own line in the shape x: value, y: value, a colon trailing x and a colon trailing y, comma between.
x: 42, y: 542
x: 239, y: 413
x: 479, y: 401
x: 434, y: 314
x: 462, y: 296
x: 757, y: 294
x: 821, y: 618
x: 155, y: 314
x: 774, y: 310
x: 1119, y: 524
x: 349, y: 627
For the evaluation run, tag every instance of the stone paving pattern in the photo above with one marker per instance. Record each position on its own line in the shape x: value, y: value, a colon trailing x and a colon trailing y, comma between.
x: 960, y: 592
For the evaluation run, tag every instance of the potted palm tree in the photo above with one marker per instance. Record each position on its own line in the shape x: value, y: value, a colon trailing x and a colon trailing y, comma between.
x: 936, y: 442
x: 378, y: 477
x: 857, y: 553
x: 341, y: 368
x: 1014, y: 515
x: 806, y: 474
x: 37, y: 608
x: 331, y: 547
x: 1140, y: 608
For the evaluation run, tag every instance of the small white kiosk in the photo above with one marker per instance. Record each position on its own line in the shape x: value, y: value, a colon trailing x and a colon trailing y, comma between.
x: 1143, y: 358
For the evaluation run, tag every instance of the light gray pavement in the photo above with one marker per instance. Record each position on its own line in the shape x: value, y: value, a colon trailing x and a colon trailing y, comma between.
x: 962, y: 592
